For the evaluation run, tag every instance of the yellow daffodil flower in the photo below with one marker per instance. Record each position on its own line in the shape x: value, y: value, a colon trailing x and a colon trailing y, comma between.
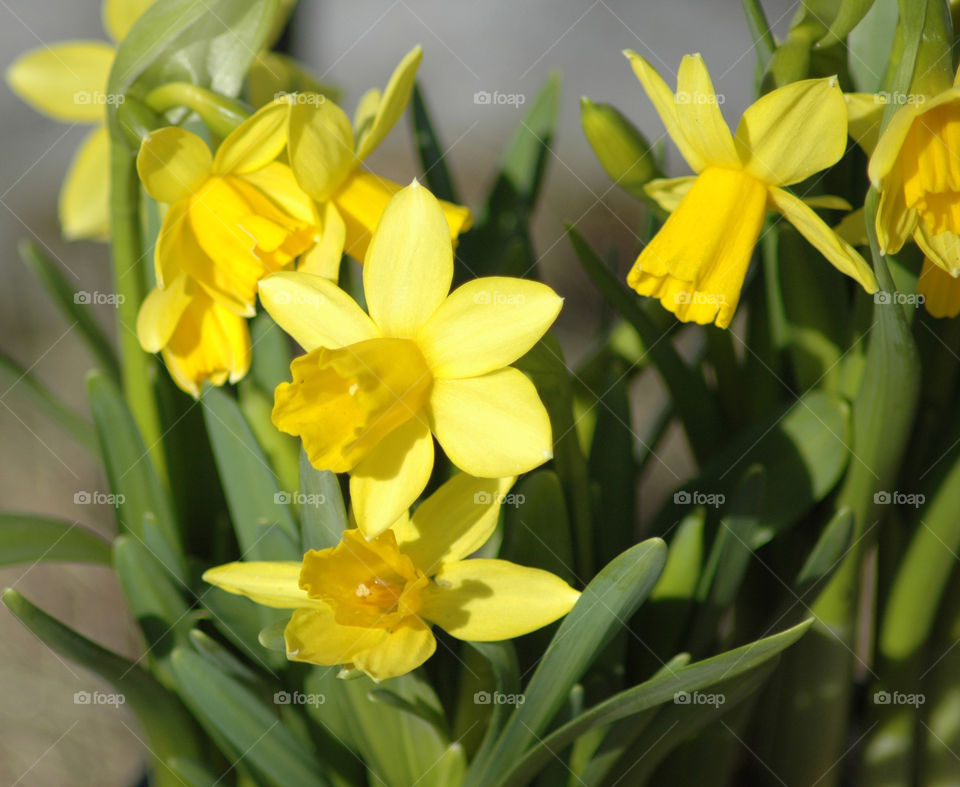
x: 68, y: 82
x: 697, y: 262
x: 915, y: 167
x: 940, y: 290
x: 374, y: 386
x: 369, y: 604
x: 326, y: 153
x: 200, y: 339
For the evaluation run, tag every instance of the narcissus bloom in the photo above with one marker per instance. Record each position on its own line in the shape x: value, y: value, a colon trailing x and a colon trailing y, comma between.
x: 696, y: 264
x: 68, y: 82
x: 915, y: 168
x: 940, y: 290
x: 369, y: 604
x: 326, y: 153
x: 373, y: 387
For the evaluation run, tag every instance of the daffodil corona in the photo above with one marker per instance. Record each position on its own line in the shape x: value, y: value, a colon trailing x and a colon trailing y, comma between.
x: 369, y: 604
x: 373, y: 389
x: 696, y: 264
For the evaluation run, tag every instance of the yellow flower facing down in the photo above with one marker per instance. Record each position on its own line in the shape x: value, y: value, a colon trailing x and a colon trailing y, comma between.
x: 915, y: 165
x: 373, y: 388
x: 326, y: 153
x: 696, y: 263
x: 200, y: 339
x: 68, y: 82
x: 369, y: 605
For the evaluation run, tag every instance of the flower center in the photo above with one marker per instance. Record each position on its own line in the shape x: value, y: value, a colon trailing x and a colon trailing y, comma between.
x: 931, y: 175
x: 366, y: 583
x: 343, y: 402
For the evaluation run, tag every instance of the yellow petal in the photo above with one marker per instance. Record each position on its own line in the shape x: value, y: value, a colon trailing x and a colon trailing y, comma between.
x: 454, y: 522
x: 273, y: 584
x: 315, y: 311
x: 320, y: 146
x: 173, y: 164
x: 864, y: 118
x: 940, y: 290
x: 895, y: 223
x: 486, y: 324
x: 365, y: 112
x: 120, y: 15
x: 385, y: 484
x: 160, y: 312
x: 323, y: 258
x: 85, y: 195
x: 885, y: 154
x: 68, y: 81
x: 209, y: 344
x: 942, y: 250
x: 491, y: 426
x: 489, y: 600
x: 665, y: 103
x: 254, y: 143
x: 315, y: 637
x: 276, y: 182
x: 405, y: 648
x: 698, y: 110
x: 409, y: 265
x: 827, y: 202
x: 696, y: 263
x: 667, y: 192
x: 794, y: 131
x: 853, y: 228
x: 391, y: 105
x: 837, y: 251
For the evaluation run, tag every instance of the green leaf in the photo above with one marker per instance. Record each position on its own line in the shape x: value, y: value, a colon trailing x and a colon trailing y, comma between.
x: 849, y: 14
x: 75, y: 306
x: 870, y: 44
x: 168, y: 727
x: 692, y: 401
x: 16, y: 379
x: 191, y: 773
x: 429, y: 149
x: 258, y: 509
x: 656, y: 691
x: 763, y: 41
x: 252, y: 730
x: 609, y: 600
x: 502, y: 658
x: 28, y: 538
x: 827, y: 553
x: 130, y: 469
x: 323, y: 516
x: 270, y: 365
x: 420, y: 709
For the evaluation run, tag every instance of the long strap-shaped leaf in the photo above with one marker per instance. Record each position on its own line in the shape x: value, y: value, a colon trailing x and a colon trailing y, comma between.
x: 28, y: 538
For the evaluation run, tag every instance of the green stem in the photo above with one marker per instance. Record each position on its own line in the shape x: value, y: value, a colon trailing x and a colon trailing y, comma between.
x: 138, y: 371
x: 219, y: 113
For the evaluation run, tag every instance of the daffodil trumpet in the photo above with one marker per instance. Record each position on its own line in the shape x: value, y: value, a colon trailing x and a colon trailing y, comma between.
x: 696, y: 264
x: 375, y: 387
x: 369, y: 604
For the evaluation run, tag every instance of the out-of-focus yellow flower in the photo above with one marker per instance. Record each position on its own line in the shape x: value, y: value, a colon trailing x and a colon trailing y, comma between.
x: 200, y: 339
x: 372, y: 388
x: 68, y: 82
x: 369, y: 604
x: 940, y: 290
x: 326, y: 153
x: 915, y: 165
x: 696, y: 264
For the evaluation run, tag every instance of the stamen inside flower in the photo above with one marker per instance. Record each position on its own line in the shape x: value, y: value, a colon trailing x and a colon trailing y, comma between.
x: 342, y: 403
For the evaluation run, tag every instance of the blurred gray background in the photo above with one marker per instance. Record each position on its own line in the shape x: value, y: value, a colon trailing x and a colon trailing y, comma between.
x: 500, y: 45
